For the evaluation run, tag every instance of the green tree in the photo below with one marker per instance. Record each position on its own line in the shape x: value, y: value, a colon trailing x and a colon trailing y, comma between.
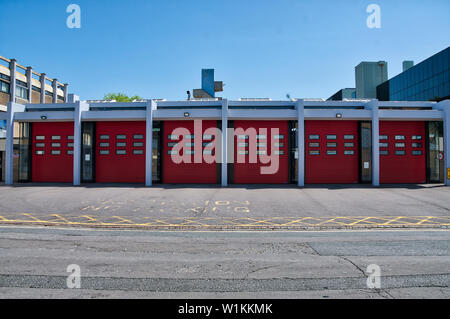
x: 120, y: 97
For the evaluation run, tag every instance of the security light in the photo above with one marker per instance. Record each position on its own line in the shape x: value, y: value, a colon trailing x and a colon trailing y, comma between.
x: 338, y: 115
x: 43, y: 117
x: 186, y: 114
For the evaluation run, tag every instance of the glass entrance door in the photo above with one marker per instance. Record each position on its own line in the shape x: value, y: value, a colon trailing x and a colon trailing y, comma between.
x: 435, y: 156
x: 156, y: 152
x: 293, y: 151
x: 366, y: 151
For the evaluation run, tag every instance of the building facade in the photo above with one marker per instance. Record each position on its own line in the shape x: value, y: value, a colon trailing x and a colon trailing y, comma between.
x: 22, y: 85
x: 231, y: 142
x: 427, y: 81
x: 368, y: 75
x: 343, y: 94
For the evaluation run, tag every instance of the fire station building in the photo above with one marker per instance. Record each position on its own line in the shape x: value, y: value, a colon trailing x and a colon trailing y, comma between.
x: 219, y: 141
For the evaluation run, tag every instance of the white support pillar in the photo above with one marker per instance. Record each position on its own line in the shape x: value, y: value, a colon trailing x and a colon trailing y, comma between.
x: 445, y: 107
x: 373, y: 105
x: 224, y: 155
x: 77, y: 141
x: 300, y: 106
x: 42, y: 79
x: 55, y: 91
x: 12, y: 82
x: 446, y: 141
x: 30, y: 84
x: 149, y: 143
x: 12, y: 109
x: 66, y: 93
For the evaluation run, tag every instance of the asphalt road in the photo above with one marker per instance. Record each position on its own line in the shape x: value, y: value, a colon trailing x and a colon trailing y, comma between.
x: 237, y: 201
x: 135, y: 264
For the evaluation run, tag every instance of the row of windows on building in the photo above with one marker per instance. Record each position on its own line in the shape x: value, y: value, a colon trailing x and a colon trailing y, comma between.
x: 399, y: 84
x: 431, y: 68
x: 437, y: 86
x: 427, y: 80
x: 22, y: 88
x: 410, y: 94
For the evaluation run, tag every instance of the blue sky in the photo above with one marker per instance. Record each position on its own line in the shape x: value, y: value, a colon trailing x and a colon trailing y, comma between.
x: 263, y: 48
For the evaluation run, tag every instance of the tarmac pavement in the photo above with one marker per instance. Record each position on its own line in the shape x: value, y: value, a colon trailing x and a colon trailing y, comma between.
x: 237, y: 207
x: 137, y: 264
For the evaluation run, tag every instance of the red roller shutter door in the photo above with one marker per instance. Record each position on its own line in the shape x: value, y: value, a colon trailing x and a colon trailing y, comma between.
x: 191, y: 170
x: 402, y: 152
x: 331, y: 152
x: 52, y: 147
x: 120, y: 152
x: 263, y: 145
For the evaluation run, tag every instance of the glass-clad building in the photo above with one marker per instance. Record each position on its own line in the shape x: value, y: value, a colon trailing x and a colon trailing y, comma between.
x: 427, y: 81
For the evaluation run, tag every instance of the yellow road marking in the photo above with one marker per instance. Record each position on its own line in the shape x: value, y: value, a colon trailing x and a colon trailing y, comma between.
x: 424, y: 220
x: 62, y: 218
x: 31, y: 216
x: 210, y: 222
x: 89, y: 217
x: 123, y: 219
x: 392, y: 220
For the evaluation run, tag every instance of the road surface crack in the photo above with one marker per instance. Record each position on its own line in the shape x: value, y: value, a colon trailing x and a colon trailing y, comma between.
x: 355, y: 265
x: 379, y: 291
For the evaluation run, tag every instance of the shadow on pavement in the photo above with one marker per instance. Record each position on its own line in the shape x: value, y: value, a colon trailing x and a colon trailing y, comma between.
x: 233, y: 186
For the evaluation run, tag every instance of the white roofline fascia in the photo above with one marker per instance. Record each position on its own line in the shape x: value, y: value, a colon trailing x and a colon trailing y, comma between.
x: 62, y: 116
x: 117, y: 104
x: 188, y: 103
x: 261, y: 103
x: 406, y: 104
x: 162, y: 114
x: 32, y: 106
x: 128, y: 115
x: 411, y: 114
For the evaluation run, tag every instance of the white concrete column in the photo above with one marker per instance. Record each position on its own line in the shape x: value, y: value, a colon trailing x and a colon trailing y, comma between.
x: 77, y: 140
x: 66, y: 93
x: 12, y: 109
x: 55, y: 91
x: 224, y: 155
x: 373, y: 105
x: 300, y: 106
x: 12, y: 82
x: 445, y: 107
x: 42, y: 79
x: 447, y: 144
x: 29, y: 83
x: 149, y: 143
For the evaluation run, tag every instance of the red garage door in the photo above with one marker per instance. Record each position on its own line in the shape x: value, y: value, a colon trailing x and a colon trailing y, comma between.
x: 52, y: 147
x: 261, y: 152
x: 120, y: 152
x: 402, y: 152
x: 189, y: 153
x: 331, y: 152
